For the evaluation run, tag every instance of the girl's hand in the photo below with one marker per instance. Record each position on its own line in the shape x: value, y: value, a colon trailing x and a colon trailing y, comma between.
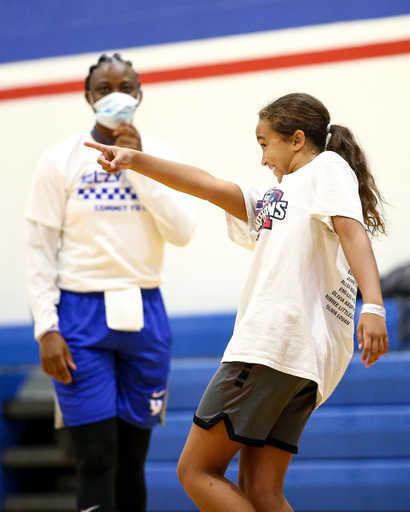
x: 372, y: 337
x: 112, y: 159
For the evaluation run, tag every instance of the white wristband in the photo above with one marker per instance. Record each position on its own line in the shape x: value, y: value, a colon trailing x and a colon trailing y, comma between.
x: 375, y: 309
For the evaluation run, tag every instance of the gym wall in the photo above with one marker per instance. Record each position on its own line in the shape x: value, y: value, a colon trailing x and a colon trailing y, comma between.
x: 207, y: 67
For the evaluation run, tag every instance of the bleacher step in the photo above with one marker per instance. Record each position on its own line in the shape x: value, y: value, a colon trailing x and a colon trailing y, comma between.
x: 332, y: 432
x: 386, y: 382
x: 23, y: 409
x: 29, y: 457
x: 310, y: 486
x: 40, y: 502
x: 383, y: 383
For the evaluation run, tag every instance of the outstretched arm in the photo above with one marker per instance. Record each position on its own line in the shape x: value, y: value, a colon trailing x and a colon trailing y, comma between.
x: 182, y: 177
x: 371, y: 329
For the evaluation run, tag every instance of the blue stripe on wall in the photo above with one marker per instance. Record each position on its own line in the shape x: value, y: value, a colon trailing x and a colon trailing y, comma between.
x: 46, y: 28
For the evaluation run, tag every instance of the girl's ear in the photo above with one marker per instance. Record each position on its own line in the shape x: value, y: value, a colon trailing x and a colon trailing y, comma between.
x: 299, y: 140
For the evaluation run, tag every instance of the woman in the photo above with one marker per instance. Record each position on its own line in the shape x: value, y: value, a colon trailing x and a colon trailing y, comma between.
x: 95, y: 257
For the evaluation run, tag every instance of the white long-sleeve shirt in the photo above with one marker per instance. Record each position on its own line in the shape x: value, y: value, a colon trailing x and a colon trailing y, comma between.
x: 92, y: 231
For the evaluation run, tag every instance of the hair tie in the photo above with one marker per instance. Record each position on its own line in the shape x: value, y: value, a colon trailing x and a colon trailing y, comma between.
x: 329, y: 135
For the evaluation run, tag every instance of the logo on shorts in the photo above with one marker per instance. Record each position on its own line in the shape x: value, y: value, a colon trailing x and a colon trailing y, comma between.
x: 157, y: 402
x: 269, y: 208
x: 91, y: 508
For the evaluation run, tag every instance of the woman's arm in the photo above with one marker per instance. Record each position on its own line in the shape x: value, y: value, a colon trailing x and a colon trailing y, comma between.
x: 55, y: 354
x: 371, y: 329
x: 182, y: 177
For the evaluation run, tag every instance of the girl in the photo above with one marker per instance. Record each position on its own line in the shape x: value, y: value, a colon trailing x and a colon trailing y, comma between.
x: 293, y: 336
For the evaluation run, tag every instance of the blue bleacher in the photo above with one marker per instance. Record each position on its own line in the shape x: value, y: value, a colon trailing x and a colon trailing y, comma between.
x: 354, y: 454
x: 364, y: 486
x: 381, y: 428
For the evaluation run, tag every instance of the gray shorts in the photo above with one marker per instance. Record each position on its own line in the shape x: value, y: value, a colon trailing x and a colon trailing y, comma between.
x: 258, y: 404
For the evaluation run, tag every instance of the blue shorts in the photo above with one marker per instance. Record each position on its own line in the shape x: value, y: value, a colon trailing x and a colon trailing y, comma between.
x: 119, y: 373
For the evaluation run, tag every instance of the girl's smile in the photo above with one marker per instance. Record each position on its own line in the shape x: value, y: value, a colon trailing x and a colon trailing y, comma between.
x: 277, y: 153
x: 283, y: 155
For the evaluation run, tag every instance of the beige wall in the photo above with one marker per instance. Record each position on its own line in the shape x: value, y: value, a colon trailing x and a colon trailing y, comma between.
x: 212, y: 122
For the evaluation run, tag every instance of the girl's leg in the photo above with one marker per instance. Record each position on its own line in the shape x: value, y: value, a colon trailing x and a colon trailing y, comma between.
x: 95, y: 446
x: 201, y: 470
x: 261, y: 403
x: 261, y: 475
x: 133, y: 443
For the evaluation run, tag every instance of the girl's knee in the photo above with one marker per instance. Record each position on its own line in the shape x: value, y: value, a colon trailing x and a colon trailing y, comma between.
x: 265, y: 499
x: 191, y: 474
x: 261, y: 493
x: 184, y: 470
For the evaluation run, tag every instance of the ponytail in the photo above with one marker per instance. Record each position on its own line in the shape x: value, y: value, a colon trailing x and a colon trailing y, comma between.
x: 300, y: 111
x: 342, y: 141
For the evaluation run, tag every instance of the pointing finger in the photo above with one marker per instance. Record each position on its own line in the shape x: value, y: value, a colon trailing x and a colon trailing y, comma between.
x: 96, y: 145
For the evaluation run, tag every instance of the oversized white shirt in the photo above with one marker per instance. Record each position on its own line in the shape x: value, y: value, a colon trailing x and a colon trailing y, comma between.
x: 92, y: 231
x: 297, y: 305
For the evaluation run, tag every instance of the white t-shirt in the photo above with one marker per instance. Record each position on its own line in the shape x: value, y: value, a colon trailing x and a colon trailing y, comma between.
x: 112, y: 227
x: 297, y: 305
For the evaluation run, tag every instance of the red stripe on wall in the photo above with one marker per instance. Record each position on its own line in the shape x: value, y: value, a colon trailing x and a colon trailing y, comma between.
x: 229, y: 68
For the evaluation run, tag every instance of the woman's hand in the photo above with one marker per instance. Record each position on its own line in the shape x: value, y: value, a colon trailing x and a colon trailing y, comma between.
x: 127, y: 136
x: 372, y: 337
x: 112, y: 159
x: 56, y: 358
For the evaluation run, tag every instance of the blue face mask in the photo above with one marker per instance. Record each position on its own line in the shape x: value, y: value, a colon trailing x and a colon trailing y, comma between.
x: 115, y: 108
